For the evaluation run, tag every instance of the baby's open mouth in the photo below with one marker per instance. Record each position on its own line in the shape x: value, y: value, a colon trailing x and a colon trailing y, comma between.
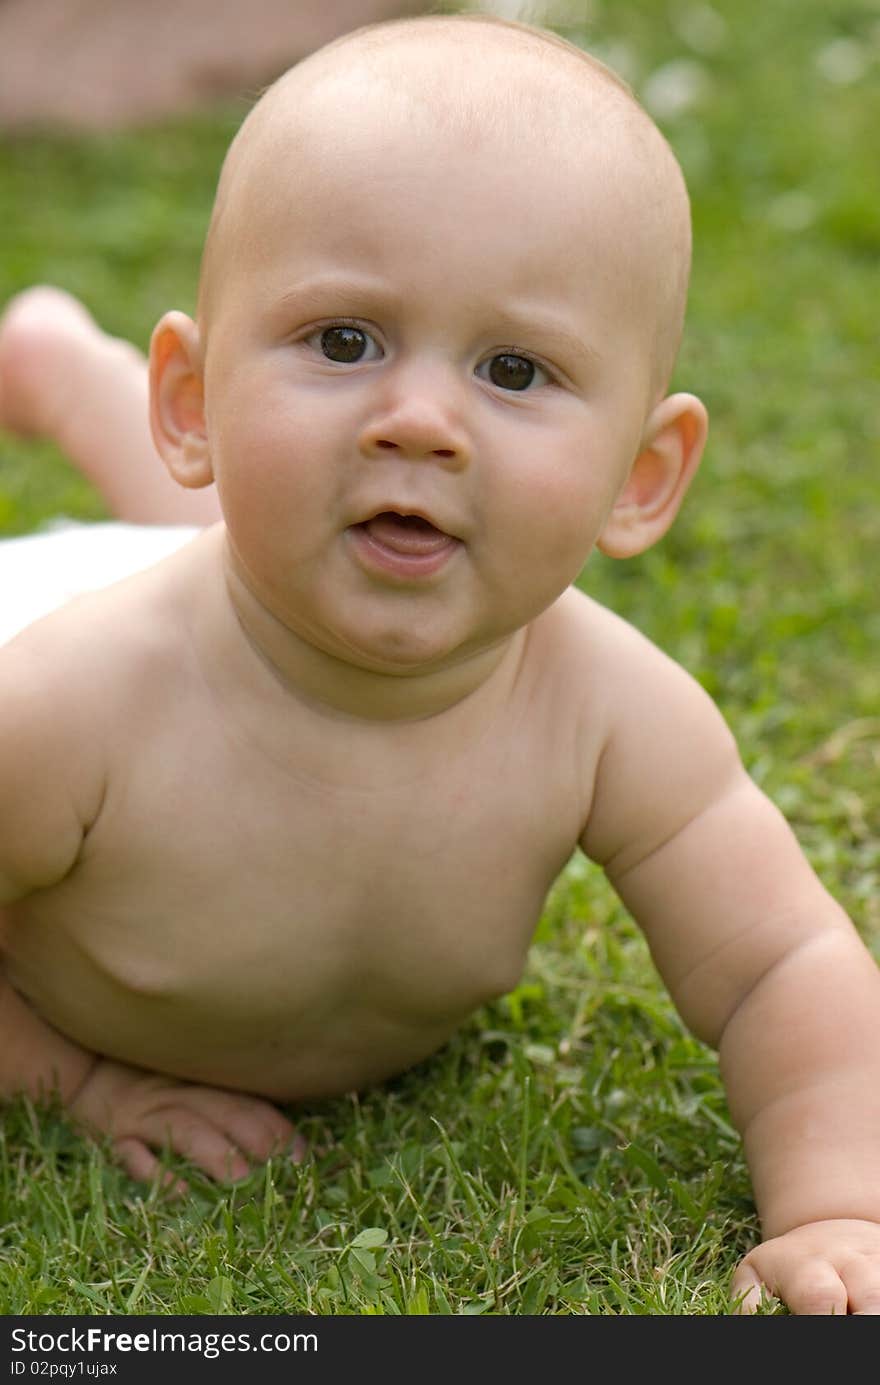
x: 405, y: 534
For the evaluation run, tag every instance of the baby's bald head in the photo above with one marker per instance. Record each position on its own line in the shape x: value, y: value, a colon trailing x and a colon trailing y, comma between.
x: 516, y: 92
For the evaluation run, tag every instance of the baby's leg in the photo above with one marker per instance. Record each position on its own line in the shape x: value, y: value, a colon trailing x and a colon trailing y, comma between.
x: 64, y: 379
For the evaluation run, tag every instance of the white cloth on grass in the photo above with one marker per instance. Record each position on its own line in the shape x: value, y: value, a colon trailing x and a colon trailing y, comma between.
x: 39, y: 572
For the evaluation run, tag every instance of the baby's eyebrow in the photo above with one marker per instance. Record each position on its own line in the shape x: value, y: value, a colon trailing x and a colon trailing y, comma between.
x: 545, y: 333
x: 333, y: 291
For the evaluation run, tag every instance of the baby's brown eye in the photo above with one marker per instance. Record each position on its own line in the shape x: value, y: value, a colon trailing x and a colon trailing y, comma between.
x: 343, y: 343
x: 511, y: 372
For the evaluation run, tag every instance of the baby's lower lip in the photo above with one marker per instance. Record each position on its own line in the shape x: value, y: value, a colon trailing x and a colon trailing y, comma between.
x: 403, y: 546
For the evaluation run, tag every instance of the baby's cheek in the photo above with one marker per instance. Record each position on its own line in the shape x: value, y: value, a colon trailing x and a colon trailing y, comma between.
x: 265, y: 476
x: 565, y: 520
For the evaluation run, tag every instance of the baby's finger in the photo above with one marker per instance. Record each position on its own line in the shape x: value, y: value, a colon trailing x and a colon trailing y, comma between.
x: 189, y: 1134
x: 747, y: 1289
x: 255, y: 1126
x: 813, y: 1288
x: 141, y: 1164
x: 861, y: 1275
x: 138, y: 1161
x: 261, y: 1136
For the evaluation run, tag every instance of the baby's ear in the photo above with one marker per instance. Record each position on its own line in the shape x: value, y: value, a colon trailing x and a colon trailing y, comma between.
x: 177, y: 402
x: 670, y: 451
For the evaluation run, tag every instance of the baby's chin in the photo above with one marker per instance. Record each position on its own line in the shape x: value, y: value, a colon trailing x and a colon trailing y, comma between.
x: 404, y: 673
x: 406, y: 653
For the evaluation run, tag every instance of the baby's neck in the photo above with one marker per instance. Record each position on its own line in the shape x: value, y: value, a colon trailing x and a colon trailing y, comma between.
x: 344, y: 688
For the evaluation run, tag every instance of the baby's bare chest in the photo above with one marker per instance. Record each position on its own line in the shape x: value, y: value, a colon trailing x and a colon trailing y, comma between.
x: 241, y: 898
x: 388, y: 884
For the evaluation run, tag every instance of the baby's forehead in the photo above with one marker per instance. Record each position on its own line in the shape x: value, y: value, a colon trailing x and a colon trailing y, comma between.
x: 467, y: 78
x: 453, y: 100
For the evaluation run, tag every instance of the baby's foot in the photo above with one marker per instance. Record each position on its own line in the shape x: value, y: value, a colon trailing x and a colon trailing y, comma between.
x: 43, y: 332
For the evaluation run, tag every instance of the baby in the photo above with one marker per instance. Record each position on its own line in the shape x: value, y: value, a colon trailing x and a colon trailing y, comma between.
x: 278, y: 811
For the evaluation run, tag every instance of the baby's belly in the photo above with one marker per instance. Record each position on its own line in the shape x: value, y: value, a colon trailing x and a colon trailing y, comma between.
x: 292, y: 1055
x: 289, y: 1014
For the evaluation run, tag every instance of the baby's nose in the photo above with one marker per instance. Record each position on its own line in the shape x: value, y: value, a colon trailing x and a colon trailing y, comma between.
x: 425, y: 450
x: 417, y: 426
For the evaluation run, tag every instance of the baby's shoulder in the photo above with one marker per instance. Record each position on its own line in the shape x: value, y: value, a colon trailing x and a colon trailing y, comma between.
x: 63, y: 695
x: 595, y: 651
x: 617, y: 673
x: 100, y: 650
x: 657, y: 741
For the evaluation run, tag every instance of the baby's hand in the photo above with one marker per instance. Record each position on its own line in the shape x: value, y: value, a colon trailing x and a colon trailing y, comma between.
x: 217, y: 1130
x: 823, y: 1267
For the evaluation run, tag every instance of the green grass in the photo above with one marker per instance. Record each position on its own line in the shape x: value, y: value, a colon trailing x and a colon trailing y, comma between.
x: 570, y: 1150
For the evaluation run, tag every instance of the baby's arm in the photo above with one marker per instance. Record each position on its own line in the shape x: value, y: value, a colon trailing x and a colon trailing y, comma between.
x: 762, y: 963
x: 51, y: 789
